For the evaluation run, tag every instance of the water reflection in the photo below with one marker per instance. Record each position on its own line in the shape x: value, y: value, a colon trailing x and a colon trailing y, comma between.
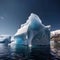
x: 5, y: 51
x: 23, y: 52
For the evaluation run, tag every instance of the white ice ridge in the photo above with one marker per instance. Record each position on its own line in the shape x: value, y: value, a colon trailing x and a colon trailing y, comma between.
x: 56, y: 32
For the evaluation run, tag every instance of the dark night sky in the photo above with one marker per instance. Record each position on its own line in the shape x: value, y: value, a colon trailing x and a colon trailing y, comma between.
x: 13, y: 13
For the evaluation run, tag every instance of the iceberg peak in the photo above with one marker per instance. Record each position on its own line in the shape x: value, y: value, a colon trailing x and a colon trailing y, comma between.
x: 33, y: 22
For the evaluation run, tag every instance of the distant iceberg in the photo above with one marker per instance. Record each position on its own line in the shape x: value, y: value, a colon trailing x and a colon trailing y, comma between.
x: 33, y: 32
x: 6, y: 39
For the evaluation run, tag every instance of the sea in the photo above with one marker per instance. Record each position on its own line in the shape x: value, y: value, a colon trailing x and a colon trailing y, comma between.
x: 25, y: 52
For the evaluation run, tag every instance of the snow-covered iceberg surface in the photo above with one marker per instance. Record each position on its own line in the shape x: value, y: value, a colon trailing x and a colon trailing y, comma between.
x: 55, y: 33
x: 33, y: 32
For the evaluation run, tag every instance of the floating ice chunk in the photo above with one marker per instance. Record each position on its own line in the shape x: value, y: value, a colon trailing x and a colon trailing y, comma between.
x: 55, y: 33
x: 5, y: 39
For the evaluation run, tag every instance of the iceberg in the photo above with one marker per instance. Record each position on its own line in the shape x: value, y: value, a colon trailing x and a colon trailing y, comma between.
x: 5, y: 39
x: 33, y: 38
x: 33, y: 32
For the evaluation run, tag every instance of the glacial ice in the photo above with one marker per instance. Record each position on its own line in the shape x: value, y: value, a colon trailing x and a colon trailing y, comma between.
x: 33, y: 32
x: 5, y: 39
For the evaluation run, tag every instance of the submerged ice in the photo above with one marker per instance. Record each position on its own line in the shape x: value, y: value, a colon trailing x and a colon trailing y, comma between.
x: 33, y: 32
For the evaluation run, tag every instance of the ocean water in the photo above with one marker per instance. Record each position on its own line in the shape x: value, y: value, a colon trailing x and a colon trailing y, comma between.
x: 5, y: 51
x: 24, y: 52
